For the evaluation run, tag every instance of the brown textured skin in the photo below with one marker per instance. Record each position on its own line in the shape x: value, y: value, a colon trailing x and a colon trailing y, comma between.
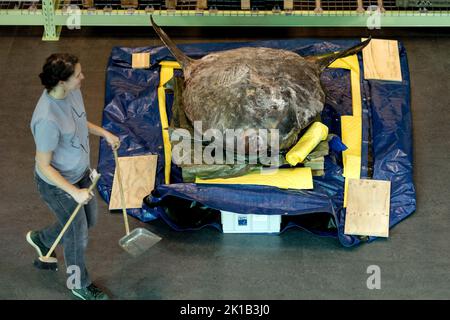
x: 254, y: 88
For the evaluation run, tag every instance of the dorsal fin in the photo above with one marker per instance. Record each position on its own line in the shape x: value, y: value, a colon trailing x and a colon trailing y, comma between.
x: 183, y: 59
x: 325, y: 60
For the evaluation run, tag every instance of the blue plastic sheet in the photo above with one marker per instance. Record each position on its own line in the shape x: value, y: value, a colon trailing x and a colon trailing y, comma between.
x: 131, y: 112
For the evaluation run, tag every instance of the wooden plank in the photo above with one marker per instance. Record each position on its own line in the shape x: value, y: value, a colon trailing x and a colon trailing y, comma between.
x: 171, y: 4
x: 368, y: 204
x: 138, y: 180
x: 318, y: 8
x: 381, y: 60
x: 140, y: 60
x: 245, y: 4
x: 288, y: 5
x: 360, y: 8
x: 86, y: 3
x: 202, y: 4
x: 129, y: 3
x: 381, y: 6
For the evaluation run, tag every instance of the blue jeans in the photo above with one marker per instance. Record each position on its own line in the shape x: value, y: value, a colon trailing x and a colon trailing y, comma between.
x: 75, y: 238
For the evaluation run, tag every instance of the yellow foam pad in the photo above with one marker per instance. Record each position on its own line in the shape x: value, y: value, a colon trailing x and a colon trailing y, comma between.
x: 165, y: 75
x: 291, y: 178
x: 352, y: 171
x: 351, y: 126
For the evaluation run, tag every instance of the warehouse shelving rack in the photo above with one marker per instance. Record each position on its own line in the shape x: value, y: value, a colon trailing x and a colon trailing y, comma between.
x: 55, y: 14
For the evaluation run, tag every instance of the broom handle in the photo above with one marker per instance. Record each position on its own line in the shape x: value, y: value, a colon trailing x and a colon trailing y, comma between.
x: 91, y: 187
x: 122, y: 196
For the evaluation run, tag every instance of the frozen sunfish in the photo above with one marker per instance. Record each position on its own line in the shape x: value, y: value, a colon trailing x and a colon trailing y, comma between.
x: 253, y: 88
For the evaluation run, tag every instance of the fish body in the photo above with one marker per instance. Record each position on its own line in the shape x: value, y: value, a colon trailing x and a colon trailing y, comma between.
x: 252, y: 88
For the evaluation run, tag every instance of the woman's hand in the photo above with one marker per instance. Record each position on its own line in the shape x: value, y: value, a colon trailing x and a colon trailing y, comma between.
x: 112, y: 140
x: 82, y: 196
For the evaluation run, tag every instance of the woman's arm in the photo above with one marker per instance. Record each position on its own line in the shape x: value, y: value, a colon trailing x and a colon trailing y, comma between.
x: 96, y: 130
x: 112, y: 140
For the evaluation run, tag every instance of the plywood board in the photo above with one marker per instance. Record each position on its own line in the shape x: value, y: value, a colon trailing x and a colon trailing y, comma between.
x: 86, y: 3
x: 288, y: 5
x: 138, y: 180
x: 171, y: 4
x: 140, y: 60
x: 245, y: 4
x: 129, y: 3
x: 381, y: 60
x: 368, y: 204
x: 202, y: 4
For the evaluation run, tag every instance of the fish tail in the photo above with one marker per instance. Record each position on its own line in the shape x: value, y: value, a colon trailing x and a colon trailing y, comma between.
x: 325, y: 61
x: 183, y: 59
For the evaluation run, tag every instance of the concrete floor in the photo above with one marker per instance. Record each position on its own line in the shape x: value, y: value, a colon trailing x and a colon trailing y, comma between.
x: 414, y: 260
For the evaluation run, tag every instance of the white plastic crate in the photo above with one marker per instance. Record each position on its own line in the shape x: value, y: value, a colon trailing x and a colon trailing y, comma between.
x: 249, y: 223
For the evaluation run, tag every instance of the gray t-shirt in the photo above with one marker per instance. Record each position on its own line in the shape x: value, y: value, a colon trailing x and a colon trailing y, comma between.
x: 60, y: 126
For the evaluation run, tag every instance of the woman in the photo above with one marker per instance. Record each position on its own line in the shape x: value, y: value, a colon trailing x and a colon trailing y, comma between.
x: 60, y: 130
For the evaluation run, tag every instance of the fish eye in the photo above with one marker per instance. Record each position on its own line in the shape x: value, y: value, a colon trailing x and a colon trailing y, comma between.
x: 287, y: 94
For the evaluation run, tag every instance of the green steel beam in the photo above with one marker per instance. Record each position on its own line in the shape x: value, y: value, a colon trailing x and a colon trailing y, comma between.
x: 53, y: 20
x: 21, y: 18
x: 51, y: 30
x: 240, y: 19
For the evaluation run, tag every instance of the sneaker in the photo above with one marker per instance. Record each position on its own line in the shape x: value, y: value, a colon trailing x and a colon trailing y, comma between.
x: 90, y: 293
x: 42, y: 250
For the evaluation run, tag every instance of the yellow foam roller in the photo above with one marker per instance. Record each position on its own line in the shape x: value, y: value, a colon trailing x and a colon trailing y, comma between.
x: 312, y: 137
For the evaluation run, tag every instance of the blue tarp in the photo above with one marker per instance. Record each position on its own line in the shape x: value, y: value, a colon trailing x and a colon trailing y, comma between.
x: 131, y: 112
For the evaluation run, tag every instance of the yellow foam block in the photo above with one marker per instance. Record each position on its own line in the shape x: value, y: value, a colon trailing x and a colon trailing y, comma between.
x: 351, y: 128
x: 351, y: 135
x: 140, y: 60
x: 352, y: 165
x: 166, y: 73
x: 291, y: 178
x: 352, y: 170
x: 312, y: 137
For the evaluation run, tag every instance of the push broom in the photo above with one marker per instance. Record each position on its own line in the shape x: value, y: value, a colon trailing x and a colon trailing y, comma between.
x: 48, y: 262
